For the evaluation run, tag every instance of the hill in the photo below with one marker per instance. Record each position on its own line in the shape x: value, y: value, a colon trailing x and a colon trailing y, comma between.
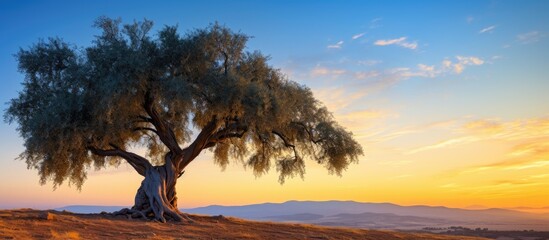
x: 35, y: 224
x: 381, y: 215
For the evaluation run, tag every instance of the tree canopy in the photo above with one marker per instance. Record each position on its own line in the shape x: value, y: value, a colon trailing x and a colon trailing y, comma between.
x: 84, y: 107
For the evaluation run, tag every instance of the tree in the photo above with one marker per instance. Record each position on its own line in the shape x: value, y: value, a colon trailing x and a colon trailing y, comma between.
x: 92, y: 106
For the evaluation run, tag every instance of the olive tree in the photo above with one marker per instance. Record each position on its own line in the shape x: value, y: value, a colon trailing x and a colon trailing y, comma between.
x: 90, y: 107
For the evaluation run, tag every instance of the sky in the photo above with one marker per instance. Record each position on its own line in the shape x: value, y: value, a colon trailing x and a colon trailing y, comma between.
x: 449, y: 99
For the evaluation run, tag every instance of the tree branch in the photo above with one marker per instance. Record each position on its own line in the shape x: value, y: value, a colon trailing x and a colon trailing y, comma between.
x: 164, y: 132
x: 309, y: 133
x: 235, y: 130
x: 286, y: 142
x: 284, y: 139
x: 139, y: 163
x: 201, y: 141
x: 144, y: 119
x: 145, y: 129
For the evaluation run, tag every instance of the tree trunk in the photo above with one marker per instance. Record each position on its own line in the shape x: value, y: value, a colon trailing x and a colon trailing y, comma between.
x: 156, y: 197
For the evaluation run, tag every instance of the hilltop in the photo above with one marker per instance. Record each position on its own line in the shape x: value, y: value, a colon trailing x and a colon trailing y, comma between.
x: 36, y: 224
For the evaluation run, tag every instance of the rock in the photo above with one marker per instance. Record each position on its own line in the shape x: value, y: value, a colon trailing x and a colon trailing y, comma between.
x: 48, y: 216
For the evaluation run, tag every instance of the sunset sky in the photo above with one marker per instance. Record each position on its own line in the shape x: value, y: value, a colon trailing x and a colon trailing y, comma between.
x: 449, y: 99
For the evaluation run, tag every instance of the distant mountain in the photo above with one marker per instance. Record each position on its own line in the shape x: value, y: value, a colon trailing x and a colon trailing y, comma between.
x: 541, y: 210
x: 380, y: 215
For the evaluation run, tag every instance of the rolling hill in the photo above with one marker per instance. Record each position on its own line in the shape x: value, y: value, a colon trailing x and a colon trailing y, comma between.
x: 366, y: 215
x: 381, y: 215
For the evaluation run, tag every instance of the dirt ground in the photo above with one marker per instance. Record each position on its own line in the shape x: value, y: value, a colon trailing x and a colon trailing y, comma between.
x: 34, y: 224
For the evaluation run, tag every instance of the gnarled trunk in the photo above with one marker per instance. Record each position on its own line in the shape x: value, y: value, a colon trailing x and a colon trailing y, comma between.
x: 156, y: 197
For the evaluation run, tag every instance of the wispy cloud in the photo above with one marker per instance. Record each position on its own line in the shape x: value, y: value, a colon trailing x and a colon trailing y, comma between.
x: 324, y: 71
x: 375, y: 23
x: 365, y: 74
x: 389, y: 41
x: 446, y: 66
x: 338, y: 45
x: 487, y: 29
x: 408, y: 45
x: 497, y: 57
x: 385, y: 135
x: 529, y: 37
x: 337, y: 98
x: 534, y: 148
x: 397, y: 41
x: 529, y: 129
x: 360, y: 120
x: 334, y: 73
x: 369, y: 62
x: 509, y: 165
x: 427, y: 71
x: 462, y: 61
x: 357, y: 36
x: 470, y: 60
x: 484, y: 126
x: 445, y: 143
x: 532, y: 136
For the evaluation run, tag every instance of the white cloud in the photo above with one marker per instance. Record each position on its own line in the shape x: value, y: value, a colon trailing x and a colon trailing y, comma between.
x: 470, y: 60
x: 487, y: 29
x: 390, y: 41
x: 357, y: 36
x: 458, y: 68
x: 422, y: 70
x: 529, y: 37
x: 446, y: 63
x: 446, y: 66
x: 337, y: 45
x: 425, y: 68
x: 397, y: 41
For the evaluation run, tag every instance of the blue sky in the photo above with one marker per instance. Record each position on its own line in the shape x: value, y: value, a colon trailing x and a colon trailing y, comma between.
x: 416, y: 81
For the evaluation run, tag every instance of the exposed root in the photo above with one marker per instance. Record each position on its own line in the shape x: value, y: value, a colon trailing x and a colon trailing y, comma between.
x: 130, y: 213
x: 156, y: 198
x: 148, y: 214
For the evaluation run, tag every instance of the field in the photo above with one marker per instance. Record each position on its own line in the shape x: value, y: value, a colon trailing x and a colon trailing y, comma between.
x: 34, y: 224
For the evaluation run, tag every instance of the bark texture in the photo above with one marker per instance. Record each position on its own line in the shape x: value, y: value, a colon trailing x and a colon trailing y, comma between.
x: 156, y: 197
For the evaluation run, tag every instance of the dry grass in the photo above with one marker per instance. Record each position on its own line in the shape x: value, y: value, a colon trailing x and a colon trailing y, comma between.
x: 33, y: 224
x: 66, y: 235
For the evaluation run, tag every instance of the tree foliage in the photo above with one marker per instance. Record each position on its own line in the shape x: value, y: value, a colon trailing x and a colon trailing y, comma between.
x: 129, y: 89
